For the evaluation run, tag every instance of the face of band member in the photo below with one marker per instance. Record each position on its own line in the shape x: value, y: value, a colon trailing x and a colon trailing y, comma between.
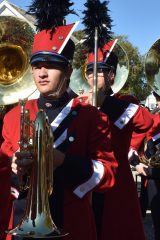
x: 105, y: 78
x: 51, y: 78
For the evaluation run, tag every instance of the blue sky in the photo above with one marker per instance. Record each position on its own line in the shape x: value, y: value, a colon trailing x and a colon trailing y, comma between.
x: 138, y: 20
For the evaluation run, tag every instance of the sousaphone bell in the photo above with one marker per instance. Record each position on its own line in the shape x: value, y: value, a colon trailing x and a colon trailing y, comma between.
x: 16, y: 37
x: 152, y: 67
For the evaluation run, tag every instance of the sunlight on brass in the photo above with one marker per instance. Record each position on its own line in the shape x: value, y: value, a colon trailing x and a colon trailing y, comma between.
x: 154, y: 160
x: 13, y: 63
x: 152, y: 67
x: 37, y: 220
x: 16, y: 37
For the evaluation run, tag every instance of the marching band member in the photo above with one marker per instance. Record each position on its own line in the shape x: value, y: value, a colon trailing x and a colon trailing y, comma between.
x: 149, y: 161
x: 126, y: 118
x: 83, y: 156
x: 149, y: 170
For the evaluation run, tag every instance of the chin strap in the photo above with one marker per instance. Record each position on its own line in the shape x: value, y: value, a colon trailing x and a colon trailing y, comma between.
x: 56, y: 93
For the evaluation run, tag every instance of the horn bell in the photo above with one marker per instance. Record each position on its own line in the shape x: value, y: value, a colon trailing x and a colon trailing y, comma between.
x: 37, y: 222
x: 152, y: 67
x: 16, y: 37
x: 122, y: 70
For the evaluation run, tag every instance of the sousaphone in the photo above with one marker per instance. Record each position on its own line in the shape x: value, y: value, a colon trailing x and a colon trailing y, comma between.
x: 16, y: 37
x: 152, y: 72
x: 152, y: 67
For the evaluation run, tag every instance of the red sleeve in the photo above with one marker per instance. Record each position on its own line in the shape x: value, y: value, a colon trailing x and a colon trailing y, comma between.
x: 142, y: 122
x: 155, y: 129
x: 10, y: 126
x: 101, y: 155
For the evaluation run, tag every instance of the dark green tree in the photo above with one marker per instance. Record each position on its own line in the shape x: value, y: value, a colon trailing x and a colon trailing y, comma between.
x: 80, y: 53
x: 136, y: 83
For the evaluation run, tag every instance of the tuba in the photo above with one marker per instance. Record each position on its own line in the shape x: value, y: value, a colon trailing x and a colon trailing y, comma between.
x: 16, y: 37
x: 37, y: 221
x: 152, y: 72
x: 78, y: 81
x: 152, y: 67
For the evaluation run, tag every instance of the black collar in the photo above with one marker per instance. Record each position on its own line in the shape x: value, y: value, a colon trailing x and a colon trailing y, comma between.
x: 46, y: 104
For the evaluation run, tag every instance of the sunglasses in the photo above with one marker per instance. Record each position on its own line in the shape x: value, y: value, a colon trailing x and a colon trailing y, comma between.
x: 100, y: 70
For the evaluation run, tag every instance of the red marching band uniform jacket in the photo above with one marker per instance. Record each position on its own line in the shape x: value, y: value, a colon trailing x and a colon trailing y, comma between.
x: 121, y: 217
x: 88, y: 138
x: 154, y: 131
x: 153, y: 146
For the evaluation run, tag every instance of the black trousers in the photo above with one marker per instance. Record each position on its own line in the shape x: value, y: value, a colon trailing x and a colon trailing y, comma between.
x: 150, y: 199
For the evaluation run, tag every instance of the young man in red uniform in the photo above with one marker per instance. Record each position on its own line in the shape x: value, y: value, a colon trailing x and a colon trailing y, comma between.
x: 83, y: 156
x: 150, y: 172
x: 126, y: 118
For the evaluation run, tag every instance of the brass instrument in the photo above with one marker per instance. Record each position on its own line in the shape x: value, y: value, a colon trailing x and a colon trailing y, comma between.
x: 152, y: 67
x: 37, y: 221
x: 78, y: 81
x: 154, y: 161
x: 26, y: 144
x: 152, y: 72
x: 16, y: 81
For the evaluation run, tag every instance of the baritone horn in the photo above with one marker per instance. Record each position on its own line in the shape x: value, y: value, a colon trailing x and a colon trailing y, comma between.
x: 16, y: 37
x: 37, y: 220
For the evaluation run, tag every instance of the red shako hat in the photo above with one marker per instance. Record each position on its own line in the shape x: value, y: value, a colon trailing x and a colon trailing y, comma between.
x: 104, y: 56
x: 52, y: 41
x: 58, y: 48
